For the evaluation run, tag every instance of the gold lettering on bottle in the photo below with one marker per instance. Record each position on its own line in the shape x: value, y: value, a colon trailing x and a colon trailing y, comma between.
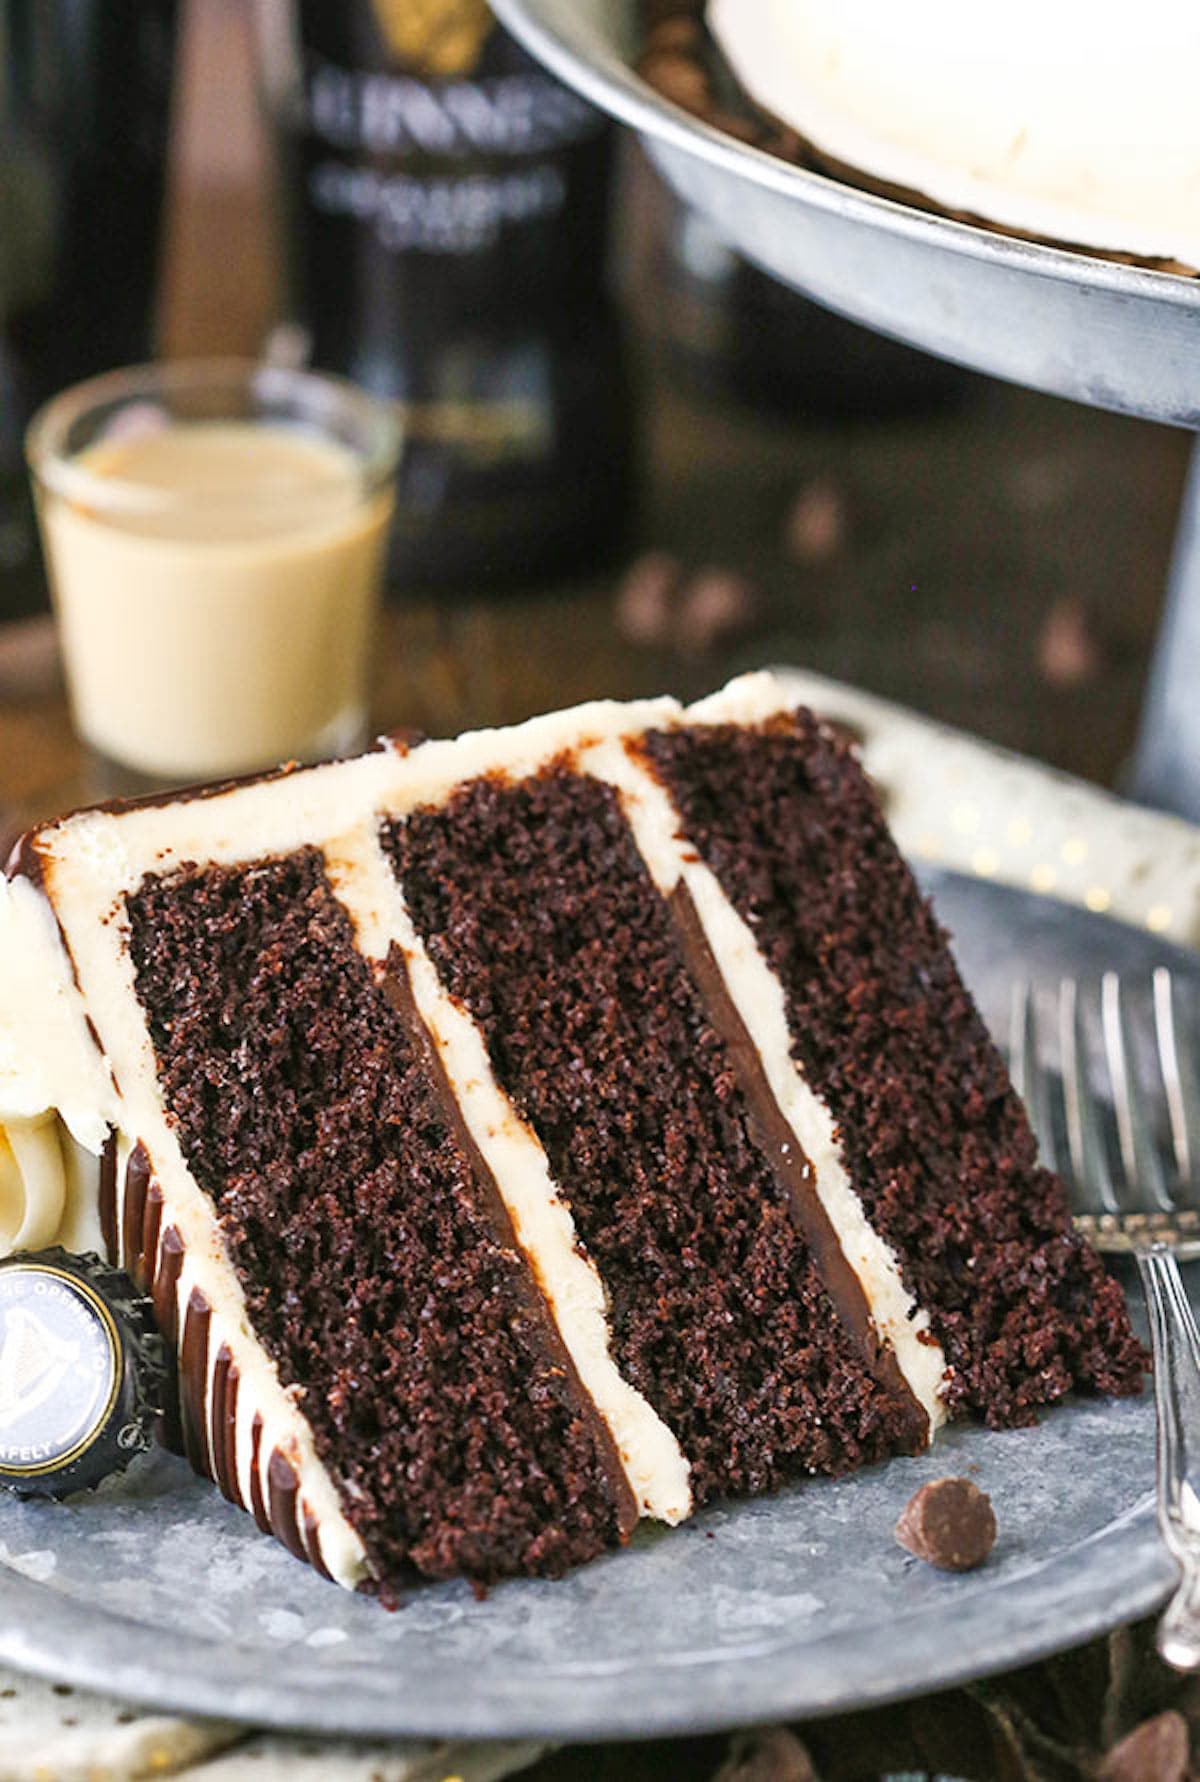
x: 438, y: 37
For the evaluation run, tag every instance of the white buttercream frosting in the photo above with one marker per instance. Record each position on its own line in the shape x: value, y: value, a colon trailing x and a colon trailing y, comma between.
x: 650, y: 1455
x: 56, y: 1095
x: 49, y: 1187
x: 1075, y: 120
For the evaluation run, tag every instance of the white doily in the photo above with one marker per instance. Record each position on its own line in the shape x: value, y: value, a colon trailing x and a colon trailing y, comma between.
x: 954, y: 801
x: 52, y: 1733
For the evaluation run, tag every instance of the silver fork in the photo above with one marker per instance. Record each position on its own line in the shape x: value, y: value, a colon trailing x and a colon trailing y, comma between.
x: 1132, y: 1169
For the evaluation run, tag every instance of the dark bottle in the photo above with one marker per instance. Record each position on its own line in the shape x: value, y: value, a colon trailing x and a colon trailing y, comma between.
x: 450, y: 227
x: 85, y: 90
x: 732, y: 330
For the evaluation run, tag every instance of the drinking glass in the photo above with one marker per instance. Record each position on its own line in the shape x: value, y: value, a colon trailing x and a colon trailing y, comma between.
x: 215, y: 536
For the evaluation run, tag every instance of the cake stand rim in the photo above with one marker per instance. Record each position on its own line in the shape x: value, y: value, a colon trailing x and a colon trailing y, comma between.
x: 611, y: 84
x: 113, y: 1654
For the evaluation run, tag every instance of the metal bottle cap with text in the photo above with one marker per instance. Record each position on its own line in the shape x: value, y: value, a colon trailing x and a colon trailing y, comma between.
x: 83, y: 1373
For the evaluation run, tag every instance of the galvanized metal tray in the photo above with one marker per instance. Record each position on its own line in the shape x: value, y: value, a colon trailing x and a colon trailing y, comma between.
x: 789, y: 1606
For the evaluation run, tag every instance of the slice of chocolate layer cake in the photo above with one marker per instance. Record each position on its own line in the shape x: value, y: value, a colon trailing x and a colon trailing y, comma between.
x: 525, y: 1134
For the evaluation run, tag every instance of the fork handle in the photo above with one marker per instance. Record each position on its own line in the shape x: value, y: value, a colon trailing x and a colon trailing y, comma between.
x: 1176, y: 1342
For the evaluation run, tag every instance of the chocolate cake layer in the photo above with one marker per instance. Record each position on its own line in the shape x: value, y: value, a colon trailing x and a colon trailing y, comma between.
x: 935, y: 1140
x: 373, y: 1271
x: 541, y: 918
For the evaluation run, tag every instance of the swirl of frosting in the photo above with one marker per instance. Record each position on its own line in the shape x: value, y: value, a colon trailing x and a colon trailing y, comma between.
x: 56, y: 1095
x: 33, y: 1183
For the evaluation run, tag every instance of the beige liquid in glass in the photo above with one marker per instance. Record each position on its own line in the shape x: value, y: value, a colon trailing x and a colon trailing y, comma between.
x: 230, y: 628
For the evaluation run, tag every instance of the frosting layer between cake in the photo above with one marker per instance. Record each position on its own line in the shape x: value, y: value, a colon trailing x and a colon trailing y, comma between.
x: 883, y: 1030
x: 654, y: 1465
x: 600, y: 1039
x: 757, y: 997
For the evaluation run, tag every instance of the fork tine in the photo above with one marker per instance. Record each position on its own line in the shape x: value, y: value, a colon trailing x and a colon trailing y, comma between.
x: 1089, y: 1158
x: 1025, y: 1069
x: 1020, y: 1037
x: 1179, y: 1075
x: 1139, y: 1158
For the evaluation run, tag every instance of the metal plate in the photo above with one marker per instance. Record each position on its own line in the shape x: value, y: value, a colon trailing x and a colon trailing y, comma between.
x: 789, y: 1606
x: 1115, y: 336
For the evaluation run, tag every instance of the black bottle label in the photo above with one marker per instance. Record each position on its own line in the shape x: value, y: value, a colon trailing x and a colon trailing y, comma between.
x: 476, y: 154
x: 452, y: 239
x: 444, y: 141
x: 438, y: 37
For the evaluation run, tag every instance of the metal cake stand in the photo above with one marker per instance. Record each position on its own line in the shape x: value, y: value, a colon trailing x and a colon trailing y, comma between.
x: 1117, y: 337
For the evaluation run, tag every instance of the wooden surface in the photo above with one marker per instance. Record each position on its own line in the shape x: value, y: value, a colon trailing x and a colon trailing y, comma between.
x: 1000, y: 567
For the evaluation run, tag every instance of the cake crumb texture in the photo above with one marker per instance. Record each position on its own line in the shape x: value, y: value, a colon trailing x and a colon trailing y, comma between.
x: 373, y: 1273
x: 932, y: 1133
x: 543, y: 921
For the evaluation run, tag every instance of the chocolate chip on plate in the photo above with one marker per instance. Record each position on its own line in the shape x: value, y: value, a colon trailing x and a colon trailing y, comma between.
x: 645, y: 597
x: 949, y: 1523
x: 716, y: 606
x: 815, y: 527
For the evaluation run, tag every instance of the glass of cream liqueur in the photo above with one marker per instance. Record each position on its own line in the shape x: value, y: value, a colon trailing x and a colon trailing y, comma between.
x: 215, y: 537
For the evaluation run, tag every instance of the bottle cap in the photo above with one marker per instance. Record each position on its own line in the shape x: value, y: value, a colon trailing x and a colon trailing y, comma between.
x: 83, y: 1373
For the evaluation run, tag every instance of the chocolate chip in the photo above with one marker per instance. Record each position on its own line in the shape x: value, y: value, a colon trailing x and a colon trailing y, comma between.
x: 677, y: 77
x: 1070, y: 652
x: 1158, y: 1748
x: 716, y: 606
x: 772, y: 1754
x: 815, y: 529
x: 949, y: 1523
x: 644, y: 599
